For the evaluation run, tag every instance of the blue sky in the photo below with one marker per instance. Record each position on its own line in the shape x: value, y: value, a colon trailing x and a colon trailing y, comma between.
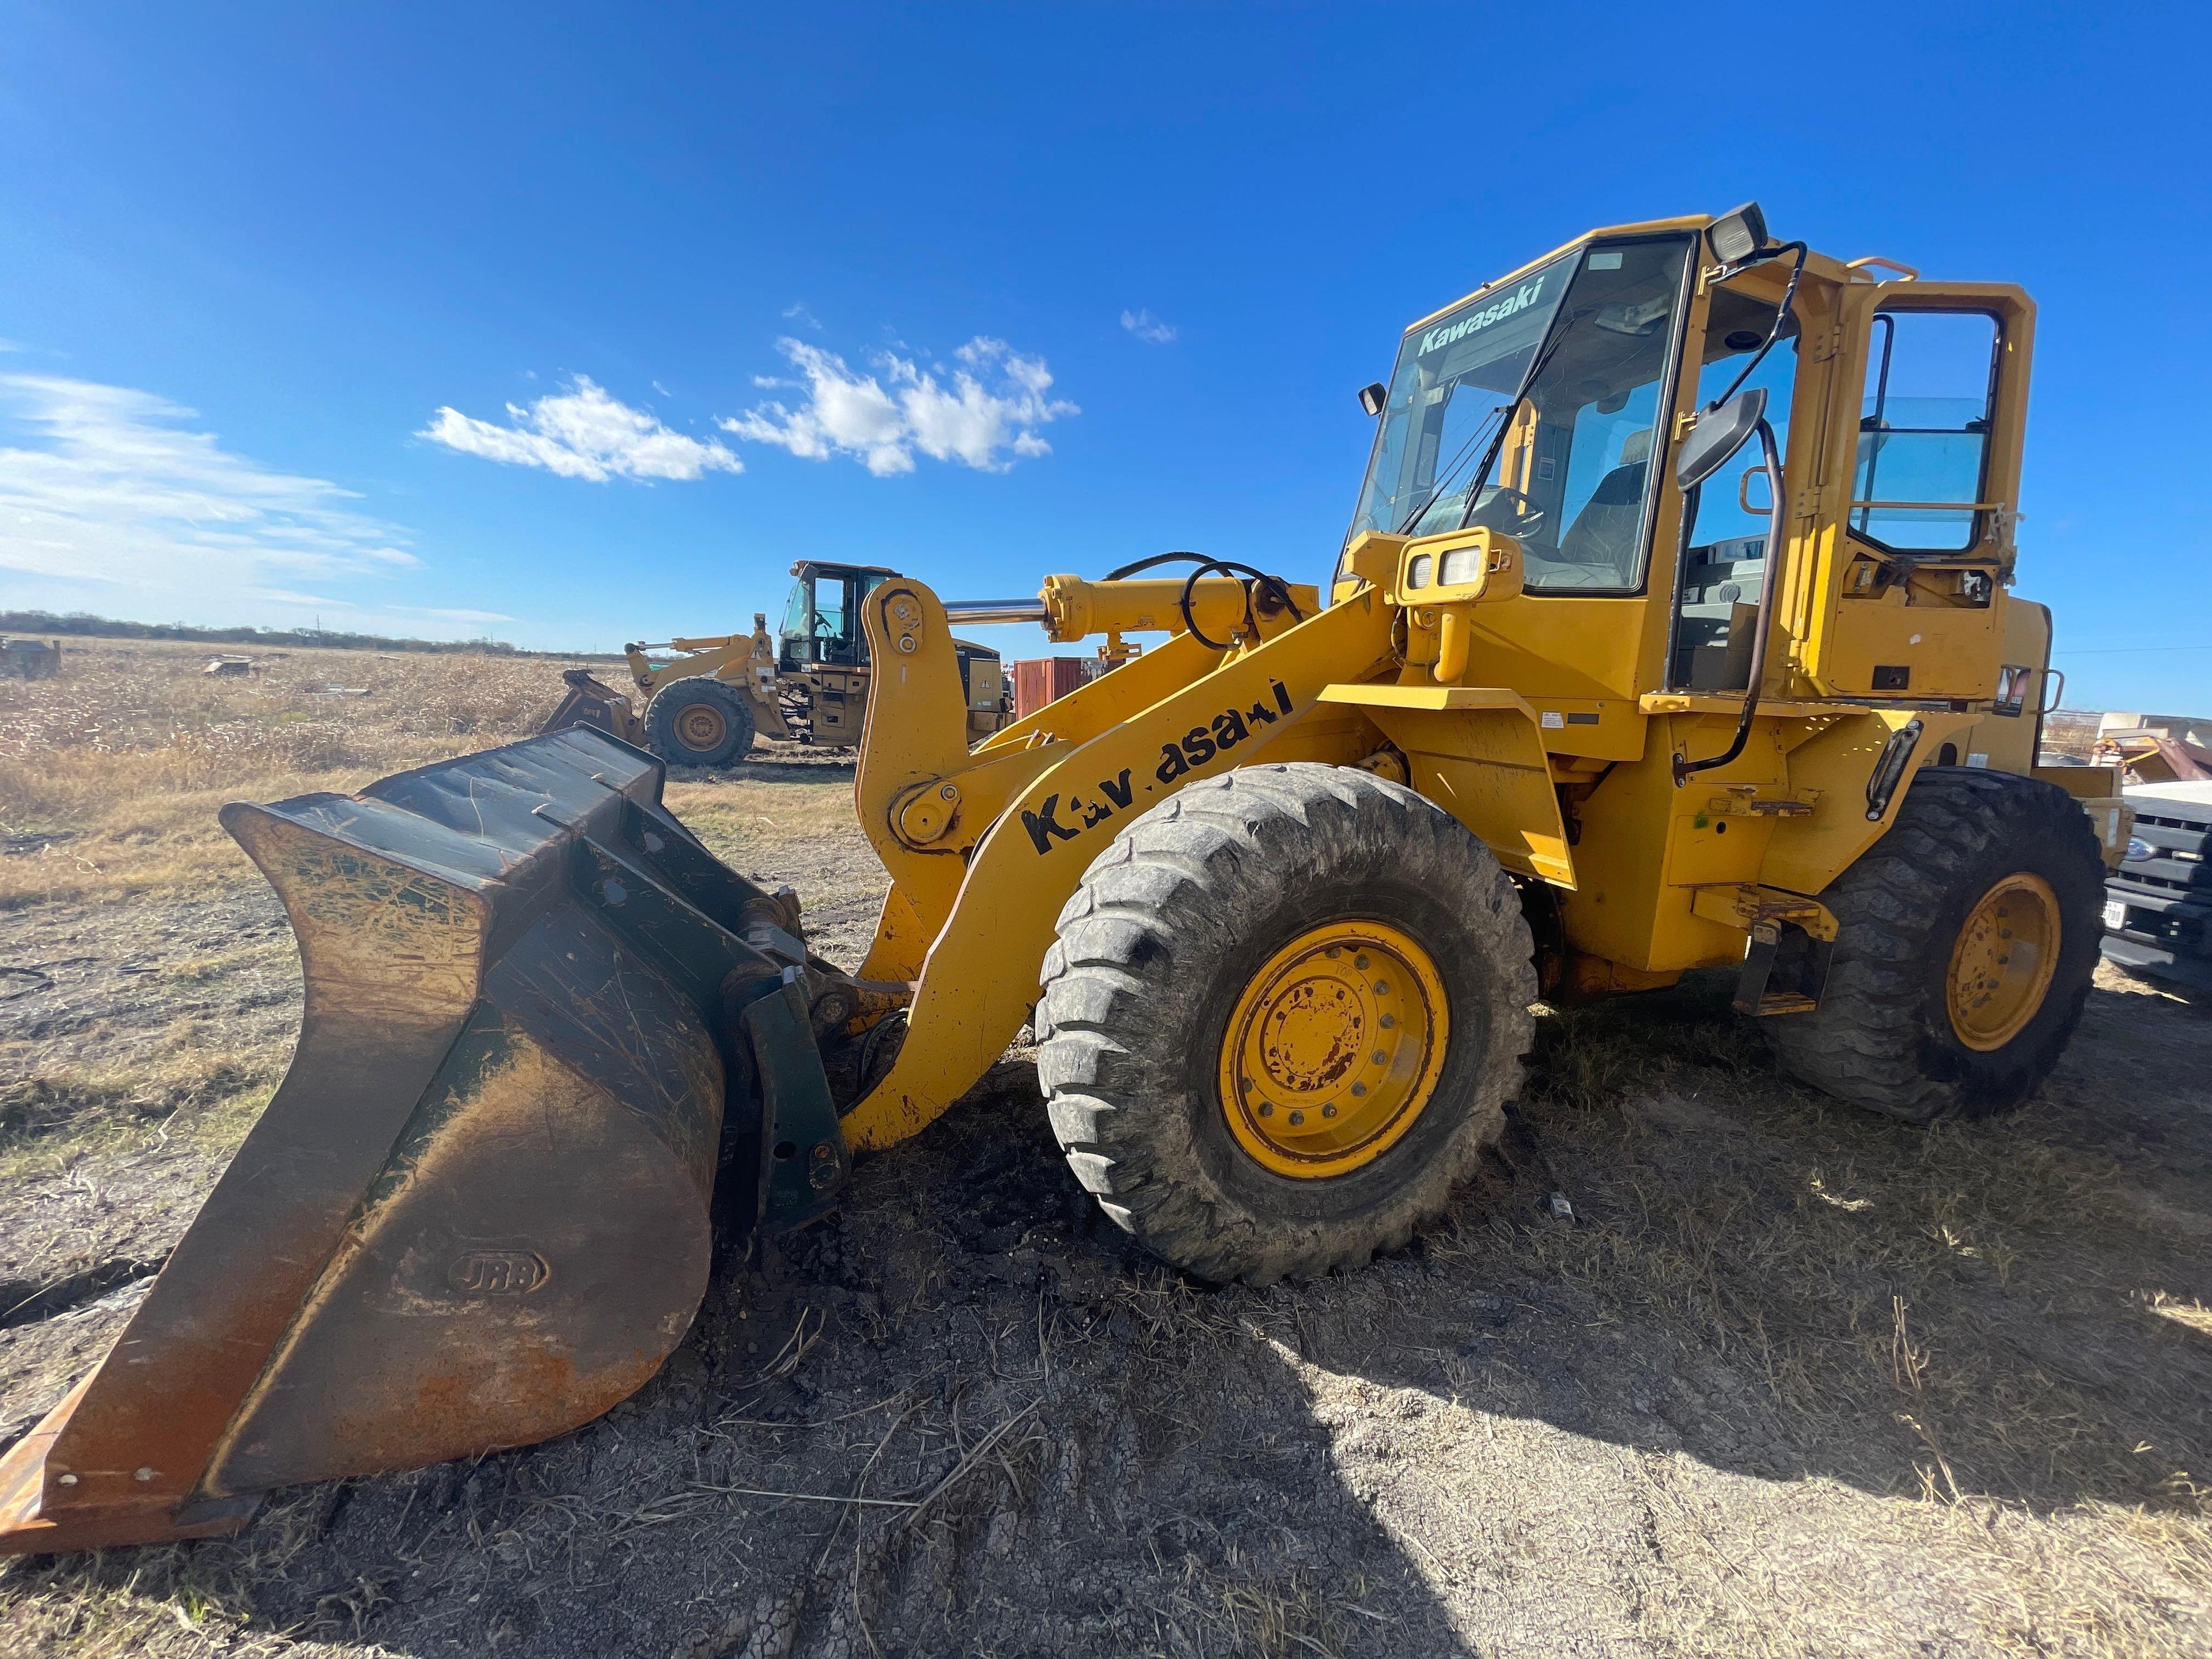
x: 575, y: 324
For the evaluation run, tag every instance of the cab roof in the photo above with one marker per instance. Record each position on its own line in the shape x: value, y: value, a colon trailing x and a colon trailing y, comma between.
x: 805, y: 565
x: 1816, y: 264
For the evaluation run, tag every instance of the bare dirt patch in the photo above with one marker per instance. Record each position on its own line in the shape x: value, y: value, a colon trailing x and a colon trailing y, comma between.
x: 1781, y: 1379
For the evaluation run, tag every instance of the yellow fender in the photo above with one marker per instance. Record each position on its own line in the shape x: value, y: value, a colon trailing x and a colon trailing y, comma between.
x: 1478, y: 752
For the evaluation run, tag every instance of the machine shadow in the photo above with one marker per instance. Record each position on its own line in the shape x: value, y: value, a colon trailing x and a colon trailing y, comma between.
x: 962, y: 1414
x: 1072, y: 1449
x: 1782, y: 1286
x: 782, y: 764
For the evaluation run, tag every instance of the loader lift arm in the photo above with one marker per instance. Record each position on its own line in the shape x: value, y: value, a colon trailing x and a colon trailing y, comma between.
x: 1041, y: 814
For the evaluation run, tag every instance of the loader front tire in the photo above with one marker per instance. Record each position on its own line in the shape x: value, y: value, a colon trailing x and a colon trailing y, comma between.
x: 1966, y: 938
x: 700, y: 721
x: 1285, y: 1013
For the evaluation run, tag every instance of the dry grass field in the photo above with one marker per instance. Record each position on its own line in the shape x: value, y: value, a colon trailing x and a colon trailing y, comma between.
x: 1787, y: 1381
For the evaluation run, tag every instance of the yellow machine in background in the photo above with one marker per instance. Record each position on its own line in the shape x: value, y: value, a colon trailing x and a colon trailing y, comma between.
x: 807, y: 684
x: 1674, y: 630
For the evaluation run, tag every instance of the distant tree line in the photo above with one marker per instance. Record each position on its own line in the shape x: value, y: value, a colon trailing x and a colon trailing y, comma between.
x: 78, y: 623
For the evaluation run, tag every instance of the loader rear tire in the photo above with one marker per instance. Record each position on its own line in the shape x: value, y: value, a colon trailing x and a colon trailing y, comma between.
x: 1285, y: 1013
x: 699, y: 722
x: 1931, y: 1009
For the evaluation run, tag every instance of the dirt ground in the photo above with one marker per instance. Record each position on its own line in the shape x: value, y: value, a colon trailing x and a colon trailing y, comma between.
x: 1703, y: 1363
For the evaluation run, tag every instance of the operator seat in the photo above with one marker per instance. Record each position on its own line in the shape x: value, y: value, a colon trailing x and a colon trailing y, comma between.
x: 1603, y: 533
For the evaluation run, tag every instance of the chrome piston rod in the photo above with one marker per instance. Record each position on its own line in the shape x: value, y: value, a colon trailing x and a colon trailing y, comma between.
x: 978, y: 611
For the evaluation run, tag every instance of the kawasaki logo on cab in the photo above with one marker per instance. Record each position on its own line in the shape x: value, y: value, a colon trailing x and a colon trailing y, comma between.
x: 1199, y: 744
x: 1444, y: 333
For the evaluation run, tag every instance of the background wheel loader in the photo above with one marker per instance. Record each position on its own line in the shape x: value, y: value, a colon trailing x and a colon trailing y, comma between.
x: 807, y: 685
x: 1674, y: 630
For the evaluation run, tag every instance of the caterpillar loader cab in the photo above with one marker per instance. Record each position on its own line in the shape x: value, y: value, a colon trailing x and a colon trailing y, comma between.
x: 821, y: 641
x: 1674, y: 630
x: 807, y: 684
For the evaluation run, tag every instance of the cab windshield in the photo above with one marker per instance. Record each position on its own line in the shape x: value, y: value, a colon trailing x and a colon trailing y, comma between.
x: 1567, y: 471
x: 798, y: 611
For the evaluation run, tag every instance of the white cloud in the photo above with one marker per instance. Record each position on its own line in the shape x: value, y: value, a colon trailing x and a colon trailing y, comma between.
x: 1148, y: 328
x: 302, y: 601
x: 396, y: 618
x: 992, y: 408
x: 103, y: 484
x: 583, y: 432
x: 797, y: 313
x: 445, y: 614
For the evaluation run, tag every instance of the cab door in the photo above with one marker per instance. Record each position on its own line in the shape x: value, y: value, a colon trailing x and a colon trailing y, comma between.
x: 1920, y: 494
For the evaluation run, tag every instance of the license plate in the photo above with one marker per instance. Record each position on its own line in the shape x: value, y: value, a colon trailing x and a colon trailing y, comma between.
x: 2116, y: 913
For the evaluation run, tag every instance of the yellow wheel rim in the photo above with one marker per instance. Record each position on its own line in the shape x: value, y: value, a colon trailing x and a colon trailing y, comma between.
x: 2002, y: 960
x: 701, y: 727
x: 1334, y: 1050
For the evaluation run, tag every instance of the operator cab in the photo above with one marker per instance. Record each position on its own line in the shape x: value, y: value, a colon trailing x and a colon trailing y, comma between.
x: 822, y: 632
x: 1564, y: 468
x: 1551, y: 407
x: 821, y: 618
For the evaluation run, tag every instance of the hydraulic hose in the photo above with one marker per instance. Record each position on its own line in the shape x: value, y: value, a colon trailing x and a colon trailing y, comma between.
x: 1179, y: 556
x: 1230, y: 568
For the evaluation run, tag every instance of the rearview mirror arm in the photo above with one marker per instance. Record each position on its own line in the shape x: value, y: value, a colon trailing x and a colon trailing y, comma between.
x: 1774, y: 520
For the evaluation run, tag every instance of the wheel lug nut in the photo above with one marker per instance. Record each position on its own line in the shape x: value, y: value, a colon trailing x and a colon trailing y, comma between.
x: 1267, y: 1109
x: 1359, y: 1088
x: 1328, y: 1111
x: 1382, y: 987
x: 1297, y: 1118
x: 1388, y: 1021
x: 1380, y: 1057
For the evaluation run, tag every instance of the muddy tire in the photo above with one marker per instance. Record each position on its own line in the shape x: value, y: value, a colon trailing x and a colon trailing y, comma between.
x: 1931, y: 1010
x: 1187, y: 941
x: 699, y: 722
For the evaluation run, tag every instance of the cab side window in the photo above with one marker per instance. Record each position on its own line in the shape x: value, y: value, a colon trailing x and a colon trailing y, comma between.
x: 869, y: 583
x: 1725, y: 564
x: 1923, y: 430
x: 829, y: 608
x: 834, y: 620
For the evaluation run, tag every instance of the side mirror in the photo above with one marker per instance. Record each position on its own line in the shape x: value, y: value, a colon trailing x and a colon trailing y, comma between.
x: 1373, y: 398
x: 1717, y: 435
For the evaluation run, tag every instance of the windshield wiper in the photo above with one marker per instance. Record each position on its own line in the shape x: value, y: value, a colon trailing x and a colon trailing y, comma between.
x: 1451, y: 470
x: 1503, y: 415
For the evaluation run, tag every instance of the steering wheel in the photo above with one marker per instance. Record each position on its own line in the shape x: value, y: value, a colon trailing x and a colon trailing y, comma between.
x: 824, y: 631
x: 1527, y: 517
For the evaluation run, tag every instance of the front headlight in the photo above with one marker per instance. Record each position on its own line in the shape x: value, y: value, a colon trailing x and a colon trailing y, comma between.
x: 1462, y: 564
x: 2139, y: 849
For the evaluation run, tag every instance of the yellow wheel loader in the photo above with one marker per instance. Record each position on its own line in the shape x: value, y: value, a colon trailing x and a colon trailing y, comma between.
x: 1674, y: 630
x: 808, y: 684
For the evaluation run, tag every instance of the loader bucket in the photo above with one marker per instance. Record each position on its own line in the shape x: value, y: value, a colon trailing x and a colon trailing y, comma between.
x: 590, y: 702
x: 543, y: 1025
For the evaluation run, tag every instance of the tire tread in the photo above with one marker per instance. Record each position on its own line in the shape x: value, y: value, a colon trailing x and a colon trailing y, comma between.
x: 1158, y: 896
x: 1865, y: 1043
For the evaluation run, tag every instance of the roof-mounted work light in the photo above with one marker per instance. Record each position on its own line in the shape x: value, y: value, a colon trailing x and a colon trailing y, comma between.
x: 1737, y: 234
